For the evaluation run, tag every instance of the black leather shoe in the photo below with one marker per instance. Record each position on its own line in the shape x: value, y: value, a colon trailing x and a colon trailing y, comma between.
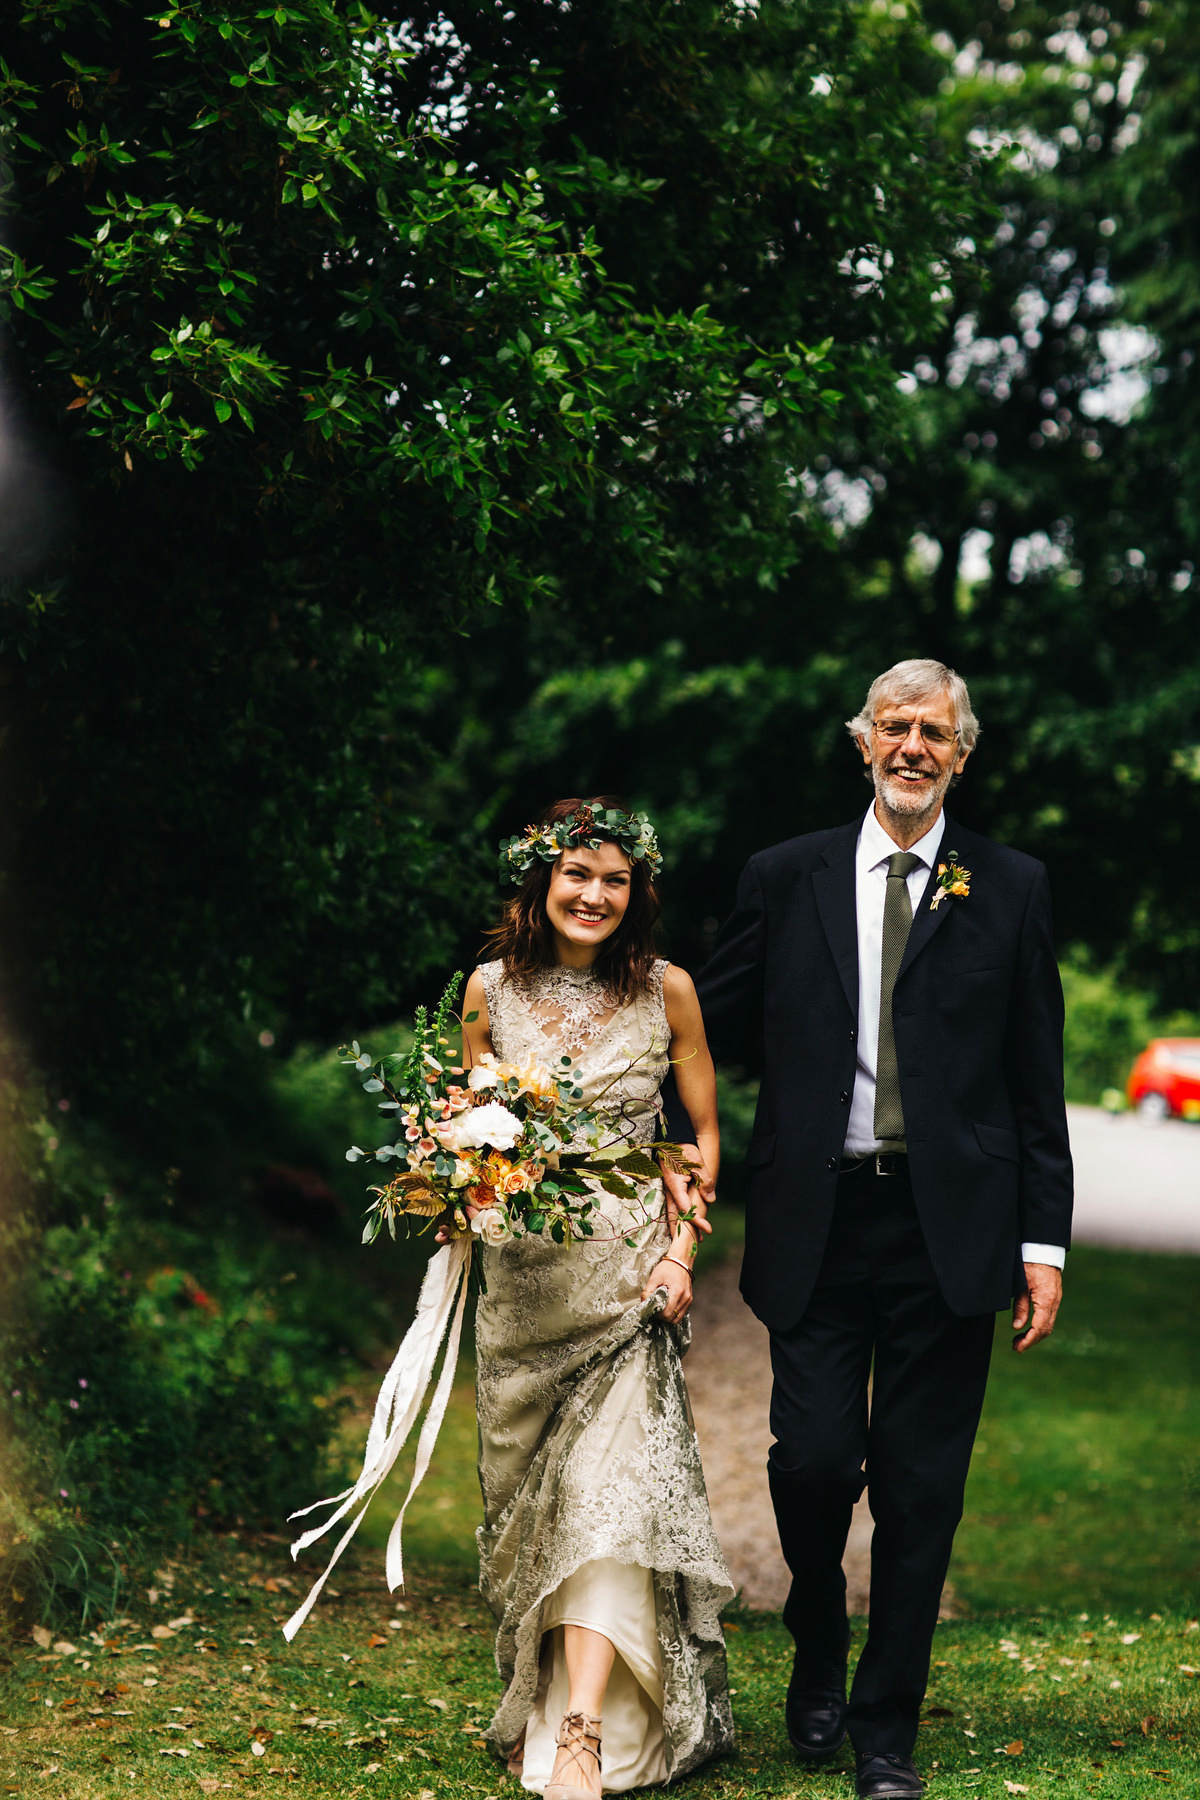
x: 816, y: 1720
x: 885, y: 1777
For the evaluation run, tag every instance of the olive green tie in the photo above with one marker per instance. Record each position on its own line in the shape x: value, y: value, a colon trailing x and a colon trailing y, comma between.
x: 897, y: 923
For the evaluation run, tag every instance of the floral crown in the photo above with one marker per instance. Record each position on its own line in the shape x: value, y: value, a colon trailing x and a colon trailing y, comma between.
x: 586, y: 829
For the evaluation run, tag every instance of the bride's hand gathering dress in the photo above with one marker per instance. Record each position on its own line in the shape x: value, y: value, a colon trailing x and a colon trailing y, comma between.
x: 595, y: 1511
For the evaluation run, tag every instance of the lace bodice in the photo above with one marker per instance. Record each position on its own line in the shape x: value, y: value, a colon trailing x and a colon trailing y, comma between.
x: 621, y: 1051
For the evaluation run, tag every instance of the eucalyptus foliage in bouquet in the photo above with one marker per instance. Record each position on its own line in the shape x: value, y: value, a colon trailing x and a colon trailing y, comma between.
x: 494, y: 1137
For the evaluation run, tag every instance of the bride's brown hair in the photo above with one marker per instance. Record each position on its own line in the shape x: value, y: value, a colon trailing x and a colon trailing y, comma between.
x: 524, y: 938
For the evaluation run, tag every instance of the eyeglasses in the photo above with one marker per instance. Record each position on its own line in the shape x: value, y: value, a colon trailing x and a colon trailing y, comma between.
x: 894, y: 731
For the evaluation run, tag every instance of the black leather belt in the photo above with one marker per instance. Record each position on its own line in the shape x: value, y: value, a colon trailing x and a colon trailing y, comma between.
x: 884, y: 1162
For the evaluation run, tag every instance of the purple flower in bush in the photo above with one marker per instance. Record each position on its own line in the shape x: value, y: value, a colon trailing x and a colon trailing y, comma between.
x: 74, y: 1405
x: 83, y: 1381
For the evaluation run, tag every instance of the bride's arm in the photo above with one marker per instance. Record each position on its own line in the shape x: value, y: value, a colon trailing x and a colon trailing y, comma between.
x: 692, y: 1065
x: 697, y: 1083
x: 477, y: 1027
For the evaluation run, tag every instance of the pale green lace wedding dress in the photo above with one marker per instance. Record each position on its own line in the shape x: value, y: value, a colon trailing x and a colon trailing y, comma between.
x: 595, y: 1511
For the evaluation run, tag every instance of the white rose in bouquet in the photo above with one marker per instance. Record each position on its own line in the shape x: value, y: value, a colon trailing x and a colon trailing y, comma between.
x: 491, y: 1124
x: 491, y: 1225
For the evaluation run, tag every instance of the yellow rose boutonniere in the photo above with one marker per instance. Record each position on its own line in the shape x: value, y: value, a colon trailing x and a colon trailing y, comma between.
x: 952, y: 878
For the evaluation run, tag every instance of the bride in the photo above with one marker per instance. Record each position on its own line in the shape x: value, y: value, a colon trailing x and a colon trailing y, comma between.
x: 597, y: 1551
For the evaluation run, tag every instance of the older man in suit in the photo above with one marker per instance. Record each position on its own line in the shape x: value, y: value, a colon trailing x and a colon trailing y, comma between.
x: 909, y: 1175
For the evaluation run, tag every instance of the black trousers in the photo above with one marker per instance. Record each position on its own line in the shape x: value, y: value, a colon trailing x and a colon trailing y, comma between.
x: 876, y: 1314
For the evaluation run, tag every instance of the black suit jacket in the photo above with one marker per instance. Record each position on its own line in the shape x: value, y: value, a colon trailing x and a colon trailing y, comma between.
x: 978, y: 1015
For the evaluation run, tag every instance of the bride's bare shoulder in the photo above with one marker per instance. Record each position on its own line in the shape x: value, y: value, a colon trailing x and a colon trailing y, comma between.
x: 679, y: 994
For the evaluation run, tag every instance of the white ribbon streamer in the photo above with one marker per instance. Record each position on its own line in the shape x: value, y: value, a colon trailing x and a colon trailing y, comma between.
x: 400, y: 1399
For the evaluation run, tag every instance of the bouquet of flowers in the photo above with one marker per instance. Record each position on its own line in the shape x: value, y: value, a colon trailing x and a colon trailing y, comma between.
x: 496, y: 1137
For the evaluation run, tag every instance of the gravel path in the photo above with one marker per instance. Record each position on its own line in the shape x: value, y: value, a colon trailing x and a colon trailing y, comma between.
x: 729, y: 1379
x: 1137, y: 1185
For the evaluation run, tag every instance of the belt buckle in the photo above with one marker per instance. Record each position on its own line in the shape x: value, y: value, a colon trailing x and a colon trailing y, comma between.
x: 887, y: 1162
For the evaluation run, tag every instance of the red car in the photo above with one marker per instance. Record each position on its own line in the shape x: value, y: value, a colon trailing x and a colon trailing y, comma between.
x: 1165, y: 1079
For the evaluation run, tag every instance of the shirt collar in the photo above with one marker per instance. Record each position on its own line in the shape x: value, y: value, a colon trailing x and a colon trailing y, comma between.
x: 875, y: 846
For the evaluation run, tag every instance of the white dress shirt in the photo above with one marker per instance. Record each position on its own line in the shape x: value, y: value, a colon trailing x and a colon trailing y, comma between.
x: 870, y: 887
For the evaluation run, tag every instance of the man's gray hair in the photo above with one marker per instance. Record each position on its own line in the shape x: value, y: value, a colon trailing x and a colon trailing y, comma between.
x: 920, y: 678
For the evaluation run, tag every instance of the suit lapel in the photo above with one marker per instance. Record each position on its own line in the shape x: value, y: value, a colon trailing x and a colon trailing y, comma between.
x: 927, y: 919
x: 833, y: 889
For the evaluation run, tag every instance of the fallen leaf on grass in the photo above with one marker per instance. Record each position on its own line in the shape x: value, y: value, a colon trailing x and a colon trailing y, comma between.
x: 372, y: 1768
x: 208, y: 1784
x: 1016, y: 1787
x: 441, y: 1705
x: 426, y: 1794
x: 1148, y: 1724
x: 1116, y: 1743
x: 161, y: 1631
x: 174, y: 1750
x: 376, y: 1641
x: 1187, y: 1669
x: 42, y: 1638
x: 53, y: 1770
x: 1015, y: 1748
x: 64, y: 1648
x: 257, y: 1749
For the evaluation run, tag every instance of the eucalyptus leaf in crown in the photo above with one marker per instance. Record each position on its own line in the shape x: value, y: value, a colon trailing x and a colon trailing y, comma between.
x: 484, y: 1149
x: 585, y: 829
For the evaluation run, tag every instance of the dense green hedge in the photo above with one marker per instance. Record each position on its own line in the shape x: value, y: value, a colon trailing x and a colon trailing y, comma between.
x: 170, y: 1347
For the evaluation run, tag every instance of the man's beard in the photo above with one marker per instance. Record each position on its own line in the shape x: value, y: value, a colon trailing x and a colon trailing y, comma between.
x: 905, y: 799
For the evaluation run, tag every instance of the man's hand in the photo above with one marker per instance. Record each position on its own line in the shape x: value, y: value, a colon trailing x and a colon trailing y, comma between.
x: 1038, y: 1306
x: 683, y: 1191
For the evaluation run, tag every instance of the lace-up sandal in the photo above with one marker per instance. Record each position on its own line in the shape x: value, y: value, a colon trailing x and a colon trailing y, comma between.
x: 580, y: 1734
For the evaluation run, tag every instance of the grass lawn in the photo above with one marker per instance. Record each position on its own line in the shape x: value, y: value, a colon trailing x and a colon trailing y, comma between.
x: 1082, y: 1501
x: 1085, y: 1484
